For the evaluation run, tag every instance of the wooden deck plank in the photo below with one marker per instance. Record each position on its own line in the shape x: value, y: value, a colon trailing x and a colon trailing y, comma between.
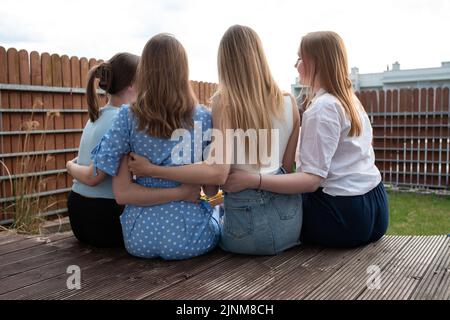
x: 5, y: 233
x: 82, y: 256
x: 255, y: 277
x: 31, y: 242
x: 35, y: 257
x: 185, y: 289
x: 411, y: 268
x: 238, y: 281
x: 350, y: 280
x: 403, y: 272
x: 31, y: 252
x: 418, y: 269
x: 9, y: 237
x: 145, y: 277
x: 435, y: 284
x: 56, y: 289
x: 307, y: 276
x: 53, y: 278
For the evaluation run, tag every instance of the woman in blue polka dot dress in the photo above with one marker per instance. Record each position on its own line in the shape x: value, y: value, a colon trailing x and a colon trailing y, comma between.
x: 159, y: 226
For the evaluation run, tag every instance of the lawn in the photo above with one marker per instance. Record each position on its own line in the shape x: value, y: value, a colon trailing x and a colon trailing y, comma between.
x: 418, y: 214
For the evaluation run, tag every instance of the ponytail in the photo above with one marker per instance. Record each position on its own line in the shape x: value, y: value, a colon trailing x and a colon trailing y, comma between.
x: 114, y: 76
x: 103, y: 72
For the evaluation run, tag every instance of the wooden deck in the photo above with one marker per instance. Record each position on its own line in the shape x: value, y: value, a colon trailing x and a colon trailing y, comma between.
x: 412, y: 268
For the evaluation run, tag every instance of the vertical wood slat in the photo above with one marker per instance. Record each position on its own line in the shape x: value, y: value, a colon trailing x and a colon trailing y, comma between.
x: 438, y: 142
x: 75, y: 71
x: 402, y: 133
x: 431, y: 141
x: 14, y: 102
x: 37, y: 102
x: 25, y: 97
x: 5, y: 125
x: 382, y: 109
x: 49, y: 141
x: 69, y: 140
x: 84, y: 67
x: 446, y: 108
x: 59, y: 121
x: 36, y: 97
x: 48, y: 103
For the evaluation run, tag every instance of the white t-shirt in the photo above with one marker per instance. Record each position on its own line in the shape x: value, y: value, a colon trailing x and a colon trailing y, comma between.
x: 279, y: 142
x: 347, y: 164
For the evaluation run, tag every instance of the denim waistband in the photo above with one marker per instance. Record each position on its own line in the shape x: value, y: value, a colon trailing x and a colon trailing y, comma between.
x: 251, y: 196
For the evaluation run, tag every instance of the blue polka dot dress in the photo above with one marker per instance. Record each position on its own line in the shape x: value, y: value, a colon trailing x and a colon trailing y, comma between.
x: 172, y: 231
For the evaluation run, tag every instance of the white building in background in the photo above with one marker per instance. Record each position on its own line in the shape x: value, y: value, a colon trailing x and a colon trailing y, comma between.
x: 396, y: 78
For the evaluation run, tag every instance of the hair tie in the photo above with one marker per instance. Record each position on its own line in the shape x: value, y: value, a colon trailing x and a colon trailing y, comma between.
x: 104, y: 73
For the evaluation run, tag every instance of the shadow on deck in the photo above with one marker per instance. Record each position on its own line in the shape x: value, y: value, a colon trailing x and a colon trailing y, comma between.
x: 412, y: 268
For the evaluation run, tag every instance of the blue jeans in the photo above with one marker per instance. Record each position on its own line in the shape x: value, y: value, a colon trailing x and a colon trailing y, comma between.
x: 257, y: 222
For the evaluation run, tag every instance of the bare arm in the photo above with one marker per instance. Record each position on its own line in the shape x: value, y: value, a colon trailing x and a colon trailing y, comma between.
x: 292, y: 183
x: 85, y: 174
x: 128, y: 192
x: 211, y: 174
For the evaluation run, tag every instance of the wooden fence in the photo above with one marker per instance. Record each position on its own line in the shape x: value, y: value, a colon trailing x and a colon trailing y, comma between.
x: 43, y: 110
x: 411, y: 135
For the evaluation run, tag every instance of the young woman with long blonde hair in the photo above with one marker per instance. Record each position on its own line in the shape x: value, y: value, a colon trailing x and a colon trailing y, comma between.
x: 344, y: 201
x: 248, y: 99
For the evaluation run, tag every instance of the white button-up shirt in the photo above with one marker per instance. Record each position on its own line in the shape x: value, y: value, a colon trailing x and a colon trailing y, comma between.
x: 347, y: 164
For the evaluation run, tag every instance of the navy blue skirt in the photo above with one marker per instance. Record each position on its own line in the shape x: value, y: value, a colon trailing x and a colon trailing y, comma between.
x: 345, y: 221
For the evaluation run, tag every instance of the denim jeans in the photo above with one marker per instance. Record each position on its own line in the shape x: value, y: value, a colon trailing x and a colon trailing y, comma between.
x: 257, y: 222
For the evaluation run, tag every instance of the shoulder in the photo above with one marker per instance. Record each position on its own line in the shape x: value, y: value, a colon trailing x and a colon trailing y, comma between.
x: 202, y: 112
x: 124, y: 112
x: 124, y: 109
x: 326, y: 107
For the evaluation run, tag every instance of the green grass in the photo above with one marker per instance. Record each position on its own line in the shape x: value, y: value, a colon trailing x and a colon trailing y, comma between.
x: 418, y: 214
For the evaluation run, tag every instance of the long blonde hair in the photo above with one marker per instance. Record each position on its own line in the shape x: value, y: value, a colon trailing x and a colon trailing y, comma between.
x: 324, y: 56
x: 247, y: 92
x: 165, y: 99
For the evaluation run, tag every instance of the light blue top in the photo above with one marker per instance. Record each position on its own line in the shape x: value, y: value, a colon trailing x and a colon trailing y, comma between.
x: 175, y: 230
x: 92, y: 134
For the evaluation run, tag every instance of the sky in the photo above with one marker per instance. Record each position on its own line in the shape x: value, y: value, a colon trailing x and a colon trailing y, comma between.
x: 376, y: 33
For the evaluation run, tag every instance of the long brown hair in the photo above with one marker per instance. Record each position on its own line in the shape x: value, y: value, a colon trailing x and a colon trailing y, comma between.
x: 247, y: 91
x: 165, y: 99
x: 114, y: 75
x: 324, y: 56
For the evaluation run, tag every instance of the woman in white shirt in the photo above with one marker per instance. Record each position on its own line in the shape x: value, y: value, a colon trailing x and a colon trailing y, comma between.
x: 344, y: 201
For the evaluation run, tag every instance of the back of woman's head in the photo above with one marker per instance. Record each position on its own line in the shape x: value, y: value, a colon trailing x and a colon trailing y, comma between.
x: 325, y: 59
x: 247, y: 90
x: 165, y: 99
x: 114, y: 76
x: 248, y: 94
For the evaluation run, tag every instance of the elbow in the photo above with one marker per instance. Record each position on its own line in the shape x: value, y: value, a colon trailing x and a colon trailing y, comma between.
x: 221, y: 178
x: 119, y: 194
x: 92, y: 182
x: 314, y: 185
x: 120, y: 199
x: 312, y: 188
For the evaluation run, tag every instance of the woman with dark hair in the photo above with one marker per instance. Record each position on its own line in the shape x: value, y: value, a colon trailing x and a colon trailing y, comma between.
x: 93, y: 212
